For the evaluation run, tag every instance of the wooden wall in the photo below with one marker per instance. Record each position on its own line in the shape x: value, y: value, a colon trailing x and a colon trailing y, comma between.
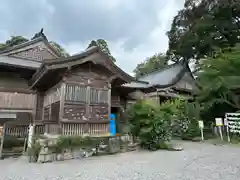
x: 86, y: 102
x: 11, y: 80
x: 15, y: 96
x: 86, y: 96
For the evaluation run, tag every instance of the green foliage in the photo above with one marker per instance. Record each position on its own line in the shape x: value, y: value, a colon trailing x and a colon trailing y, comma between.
x: 70, y: 142
x: 102, y: 44
x: 59, y: 48
x: 193, y: 116
x: 10, y: 142
x: 152, y: 123
x: 13, y: 41
x: 202, y: 26
x: 35, y: 149
x: 219, y: 78
x: 155, y: 62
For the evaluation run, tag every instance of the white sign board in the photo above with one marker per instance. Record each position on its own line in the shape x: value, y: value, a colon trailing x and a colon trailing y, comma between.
x: 219, y: 121
x: 200, y: 124
x: 233, y: 122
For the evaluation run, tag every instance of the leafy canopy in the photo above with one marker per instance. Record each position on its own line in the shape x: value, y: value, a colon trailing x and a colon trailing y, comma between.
x: 219, y: 79
x: 102, y: 44
x: 203, y: 26
x: 157, y: 61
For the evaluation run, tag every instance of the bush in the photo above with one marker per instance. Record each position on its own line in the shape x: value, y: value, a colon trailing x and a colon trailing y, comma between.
x: 152, y: 123
x: 34, y: 150
x: 71, y: 142
x: 11, y: 141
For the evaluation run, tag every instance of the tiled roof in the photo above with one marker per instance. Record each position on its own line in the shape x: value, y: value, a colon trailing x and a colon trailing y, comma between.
x: 161, y: 78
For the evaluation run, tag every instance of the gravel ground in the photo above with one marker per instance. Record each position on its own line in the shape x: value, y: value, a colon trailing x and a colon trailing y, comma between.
x: 198, y: 161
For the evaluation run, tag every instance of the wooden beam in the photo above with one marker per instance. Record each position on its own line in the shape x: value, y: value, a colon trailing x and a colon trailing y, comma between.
x: 62, y: 100
x: 19, y: 90
x: 87, y: 107
x: 34, y: 113
x: 16, y: 110
x: 109, y: 101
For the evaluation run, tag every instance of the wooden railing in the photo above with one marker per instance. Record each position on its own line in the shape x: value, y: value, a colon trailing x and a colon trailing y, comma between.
x: 78, y: 129
x: 17, y: 100
x: 22, y: 130
x: 73, y: 129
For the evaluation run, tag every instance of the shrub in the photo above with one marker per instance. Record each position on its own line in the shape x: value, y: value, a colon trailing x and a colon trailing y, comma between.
x: 11, y: 141
x: 152, y: 123
x: 34, y: 150
x: 71, y: 142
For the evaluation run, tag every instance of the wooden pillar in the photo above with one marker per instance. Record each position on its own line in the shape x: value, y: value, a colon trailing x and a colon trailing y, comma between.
x: 34, y: 113
x: 2, y: 140
x: 109, y: 101
x: 62, y: 100
x: 86, y: 126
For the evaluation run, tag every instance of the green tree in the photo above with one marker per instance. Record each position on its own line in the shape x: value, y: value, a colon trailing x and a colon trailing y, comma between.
x: 59, y: 48
x: 203, y: 26
x: 157, y: 61
x: 102, y: 44
x: 219, y: 79
x: 13, y: 41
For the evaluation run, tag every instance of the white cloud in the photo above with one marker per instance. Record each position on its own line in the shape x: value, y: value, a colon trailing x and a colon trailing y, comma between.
x: 134, y: 29
x: 157, y: 41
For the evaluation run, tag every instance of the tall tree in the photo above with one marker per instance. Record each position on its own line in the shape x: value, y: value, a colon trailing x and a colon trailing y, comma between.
x: 59, y: 48
x: 13, y: 41
x: 157, y: 61
x: 219, y: 79
x: 102, y: 44
x: 203, y: 26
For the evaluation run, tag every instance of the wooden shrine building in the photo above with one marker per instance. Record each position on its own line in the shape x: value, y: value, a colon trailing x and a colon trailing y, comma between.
x: 68, y: 95
x: 174, y: 81
x: 71, y: 95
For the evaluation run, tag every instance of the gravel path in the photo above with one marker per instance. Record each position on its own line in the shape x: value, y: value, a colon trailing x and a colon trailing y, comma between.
x: 196, y: 162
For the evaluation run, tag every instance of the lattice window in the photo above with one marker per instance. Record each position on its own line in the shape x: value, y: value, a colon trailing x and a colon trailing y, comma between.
x: 98, y: 96
x: 76, y: 93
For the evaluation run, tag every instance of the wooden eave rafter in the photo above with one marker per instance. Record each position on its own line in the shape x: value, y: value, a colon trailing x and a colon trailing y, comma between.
x: 62, y: 63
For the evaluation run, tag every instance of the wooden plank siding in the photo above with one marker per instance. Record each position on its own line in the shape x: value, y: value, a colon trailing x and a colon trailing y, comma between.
x: 50, y: 104
x: 15, y: 100
x: 81, y: 106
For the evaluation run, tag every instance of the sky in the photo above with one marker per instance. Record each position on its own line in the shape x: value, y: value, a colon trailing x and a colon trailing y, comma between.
x: 134, y: 29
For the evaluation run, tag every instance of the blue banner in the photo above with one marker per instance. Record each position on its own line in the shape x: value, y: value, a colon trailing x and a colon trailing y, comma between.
x: 113, y: 125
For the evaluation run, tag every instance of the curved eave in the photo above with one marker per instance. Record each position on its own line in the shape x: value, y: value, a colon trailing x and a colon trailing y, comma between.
x: 68, y: 62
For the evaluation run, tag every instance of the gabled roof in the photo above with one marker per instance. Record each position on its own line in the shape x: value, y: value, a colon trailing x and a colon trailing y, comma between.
x: 78, y: 59
x: 162, y: 78
x: 9, y: 51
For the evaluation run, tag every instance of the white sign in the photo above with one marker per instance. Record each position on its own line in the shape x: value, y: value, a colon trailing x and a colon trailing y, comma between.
x: 219, y: 121
x: 233, y: 122
x: 7, y: 116
x: 200, y: 124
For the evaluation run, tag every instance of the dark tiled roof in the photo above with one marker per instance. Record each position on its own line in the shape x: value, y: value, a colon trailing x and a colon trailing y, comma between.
x: 161, y: 78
